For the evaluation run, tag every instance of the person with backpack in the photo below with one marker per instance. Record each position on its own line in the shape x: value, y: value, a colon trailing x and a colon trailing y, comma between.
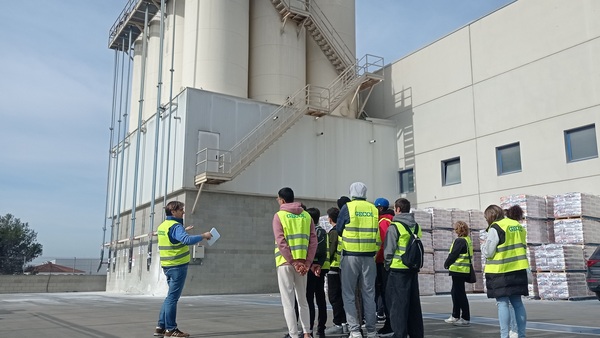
x: 459, y: 263
x: 403, y: 257
x: 315, y: 286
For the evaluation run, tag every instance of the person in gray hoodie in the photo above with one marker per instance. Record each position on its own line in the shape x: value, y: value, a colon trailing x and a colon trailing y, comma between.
x: 402, y: 289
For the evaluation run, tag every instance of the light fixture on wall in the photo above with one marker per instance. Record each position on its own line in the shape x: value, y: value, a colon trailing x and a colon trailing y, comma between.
x: 319, y: 134
x: 373, y: 141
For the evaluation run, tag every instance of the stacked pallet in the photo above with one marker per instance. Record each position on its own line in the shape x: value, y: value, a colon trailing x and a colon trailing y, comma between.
x: 537, y: 216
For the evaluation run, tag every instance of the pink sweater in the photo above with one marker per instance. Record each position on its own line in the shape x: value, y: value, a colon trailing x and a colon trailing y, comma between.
x: 296, y: 209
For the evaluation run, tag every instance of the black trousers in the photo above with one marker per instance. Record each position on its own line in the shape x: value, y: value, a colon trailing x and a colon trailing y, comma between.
x: 380, y: 285
x: 315, y: 289
x: 460, y: 302
x: 334, y: 293
x: 404, y: 304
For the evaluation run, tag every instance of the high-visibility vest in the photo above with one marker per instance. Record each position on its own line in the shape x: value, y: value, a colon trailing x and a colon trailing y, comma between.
x: 296, y: 229
x: 327, y: 263
x: 171, y: 254
x: 362, y: 233
x: 512, y: 254
x: 337, y: 256
x: 463, y: 263
x: 403, y: 239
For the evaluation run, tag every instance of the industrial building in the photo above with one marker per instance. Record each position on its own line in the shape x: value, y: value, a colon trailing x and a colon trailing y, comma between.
x: 219, y: 104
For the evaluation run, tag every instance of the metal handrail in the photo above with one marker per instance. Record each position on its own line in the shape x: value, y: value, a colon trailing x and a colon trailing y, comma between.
x: 121, y: 19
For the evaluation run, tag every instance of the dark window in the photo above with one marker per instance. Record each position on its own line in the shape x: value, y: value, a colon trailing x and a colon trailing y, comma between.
x: 508, y: 159
x: 451, y: 171
x: 407, y: 183
x: 580, y: 143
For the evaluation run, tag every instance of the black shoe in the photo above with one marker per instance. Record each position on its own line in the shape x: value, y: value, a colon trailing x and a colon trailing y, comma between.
x: 385, y: 331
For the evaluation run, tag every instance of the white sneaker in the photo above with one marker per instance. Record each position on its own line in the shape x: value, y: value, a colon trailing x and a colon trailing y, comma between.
x: 451, y: 320
x: 513, y: 334
x: 355, y: 335
x: 461, y: 322
x: 371, y: 334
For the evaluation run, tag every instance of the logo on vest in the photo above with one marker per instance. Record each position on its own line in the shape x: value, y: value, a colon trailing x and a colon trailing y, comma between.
x: 295, y: 216
x: 515, y: 228
x: 363, y: 214
x: 161, y: 232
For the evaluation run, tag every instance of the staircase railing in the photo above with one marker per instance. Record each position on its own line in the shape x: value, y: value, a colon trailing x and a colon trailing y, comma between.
x: 310, y: 99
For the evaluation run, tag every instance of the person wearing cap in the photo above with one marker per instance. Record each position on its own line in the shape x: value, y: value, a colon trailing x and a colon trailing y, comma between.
x: 359, y: 227
x: 385, y: 218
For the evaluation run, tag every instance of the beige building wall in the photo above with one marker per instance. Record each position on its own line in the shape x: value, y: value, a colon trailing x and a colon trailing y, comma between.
x: 525, y: 73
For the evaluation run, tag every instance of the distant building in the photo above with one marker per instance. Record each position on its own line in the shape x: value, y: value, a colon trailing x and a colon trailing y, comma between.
x: 50, y: 268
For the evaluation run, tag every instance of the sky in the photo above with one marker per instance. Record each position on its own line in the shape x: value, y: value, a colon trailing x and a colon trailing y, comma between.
x: 56, y: 80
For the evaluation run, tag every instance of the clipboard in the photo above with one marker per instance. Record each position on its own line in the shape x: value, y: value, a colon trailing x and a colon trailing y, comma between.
x: 215, y: 236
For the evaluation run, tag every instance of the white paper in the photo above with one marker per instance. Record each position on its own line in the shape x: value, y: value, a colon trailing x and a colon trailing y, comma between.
x: 215, y: 236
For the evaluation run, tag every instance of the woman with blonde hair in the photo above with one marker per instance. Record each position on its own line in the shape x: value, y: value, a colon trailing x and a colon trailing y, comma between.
x: 459, y: 264
x: 506, y: 267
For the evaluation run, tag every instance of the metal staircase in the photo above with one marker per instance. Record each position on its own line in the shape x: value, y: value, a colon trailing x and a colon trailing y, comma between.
x: 215, y: 166
x: 307, y: 14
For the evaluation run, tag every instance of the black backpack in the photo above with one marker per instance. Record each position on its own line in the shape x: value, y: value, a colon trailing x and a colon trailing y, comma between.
x: 413, y: 256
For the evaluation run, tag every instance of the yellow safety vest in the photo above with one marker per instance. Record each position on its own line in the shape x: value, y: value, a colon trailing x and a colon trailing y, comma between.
x: 296, y: 229
x: 512, y: 254
x: 327, y: 263
x: 171, y: 254
x: 337, y: 256
x: 362, y: 233
x: 463, y: 264
x: 403, y: 239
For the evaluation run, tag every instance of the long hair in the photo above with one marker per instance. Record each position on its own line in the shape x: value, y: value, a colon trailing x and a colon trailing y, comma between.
x: 493, y: 213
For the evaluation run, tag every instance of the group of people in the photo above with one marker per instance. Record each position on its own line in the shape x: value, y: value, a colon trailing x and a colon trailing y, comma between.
x: 362, y: 259
x: 364, y: 251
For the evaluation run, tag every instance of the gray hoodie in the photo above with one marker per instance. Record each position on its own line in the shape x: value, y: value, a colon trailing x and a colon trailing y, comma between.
x: 391, y: 238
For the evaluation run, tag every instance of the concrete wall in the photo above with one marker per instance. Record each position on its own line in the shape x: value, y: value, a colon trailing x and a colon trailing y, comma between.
x: 51, y: 283
x: 242, y: 261
x: 500, y: 80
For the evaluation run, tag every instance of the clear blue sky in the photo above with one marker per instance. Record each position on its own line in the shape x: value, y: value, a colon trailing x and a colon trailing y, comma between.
x: 56, y: 78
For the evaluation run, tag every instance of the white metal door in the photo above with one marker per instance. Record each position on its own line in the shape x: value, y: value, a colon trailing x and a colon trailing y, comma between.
x: 210, y: 142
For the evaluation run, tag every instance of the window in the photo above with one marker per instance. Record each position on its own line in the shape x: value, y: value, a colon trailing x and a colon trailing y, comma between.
x: 580, y: 143
x: 451, y: 171
x: 407, y: 183
x: 508, y: 159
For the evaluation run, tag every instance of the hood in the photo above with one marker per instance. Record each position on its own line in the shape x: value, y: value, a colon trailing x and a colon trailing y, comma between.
x: 294, y: 207
x: 389, y: 214
x: 358, y: 190
x: 405, y: 218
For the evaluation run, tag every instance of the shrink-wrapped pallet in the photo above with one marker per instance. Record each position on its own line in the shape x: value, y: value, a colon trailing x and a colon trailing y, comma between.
x: 428, y: 263
x: 443, y: 282
x: 576, y: 204
x: 559, y: 257
x: 477, y: 220
x: 427, y: 240
x: 561, y: 285
x: 423, y: 219
x: 439, y: 257
x: 577, y: 231
x: 459, y: 215
x: 443, y: 238
x: 426, y: 284
x: 537, y: 230
x: 440, y: 218
x: 533, y: 206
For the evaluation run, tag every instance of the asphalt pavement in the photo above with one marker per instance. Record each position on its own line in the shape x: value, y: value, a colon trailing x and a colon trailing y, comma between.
x: 105, y: 315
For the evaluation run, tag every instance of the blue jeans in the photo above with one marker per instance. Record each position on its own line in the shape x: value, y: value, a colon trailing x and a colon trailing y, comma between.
x: 176, y: 280
x: 504, y: 315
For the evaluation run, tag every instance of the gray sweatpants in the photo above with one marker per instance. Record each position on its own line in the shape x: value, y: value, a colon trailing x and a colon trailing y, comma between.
x: 355, y: 269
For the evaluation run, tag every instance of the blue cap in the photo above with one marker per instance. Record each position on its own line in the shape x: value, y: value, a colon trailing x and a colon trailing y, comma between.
x: 382, y: 202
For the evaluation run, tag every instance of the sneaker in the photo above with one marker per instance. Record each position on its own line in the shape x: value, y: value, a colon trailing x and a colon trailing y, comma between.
x: 159, y: 332
x: 513, y: 334
x: 176, y: 333
x: 385, y: 331
x: 345, y: 328
x: 451, y: 320
x: 381, y: 319
x: 461, y: 322
x: 355, y: 334
x: 371, y: 334
x: 333, y: 330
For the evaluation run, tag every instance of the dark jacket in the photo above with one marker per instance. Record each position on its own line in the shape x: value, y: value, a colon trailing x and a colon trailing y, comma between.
x: 506, y: 284
x: 459, y: 247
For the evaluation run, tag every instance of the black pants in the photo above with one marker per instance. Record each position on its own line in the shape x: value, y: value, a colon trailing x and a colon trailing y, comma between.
x: 460, y: 302
x: 315, y: 289
x: 334, y: 293
x: 404, y: 304
x: 380, y: 285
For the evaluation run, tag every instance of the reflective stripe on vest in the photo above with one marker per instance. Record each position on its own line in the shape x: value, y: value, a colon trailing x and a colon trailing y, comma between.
x: 327, y: 263
x: 403, y: 238
x: 463, y: 264
x: 171, y: 254
x: 296, y: 229
x: 362, y: 233
x: 512, y: 254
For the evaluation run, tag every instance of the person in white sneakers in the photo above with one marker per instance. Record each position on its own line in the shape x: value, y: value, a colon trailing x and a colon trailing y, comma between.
x: 459, y: 265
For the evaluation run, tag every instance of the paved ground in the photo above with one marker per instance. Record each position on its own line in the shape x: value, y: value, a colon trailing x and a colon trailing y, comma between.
x: 103, y: 315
